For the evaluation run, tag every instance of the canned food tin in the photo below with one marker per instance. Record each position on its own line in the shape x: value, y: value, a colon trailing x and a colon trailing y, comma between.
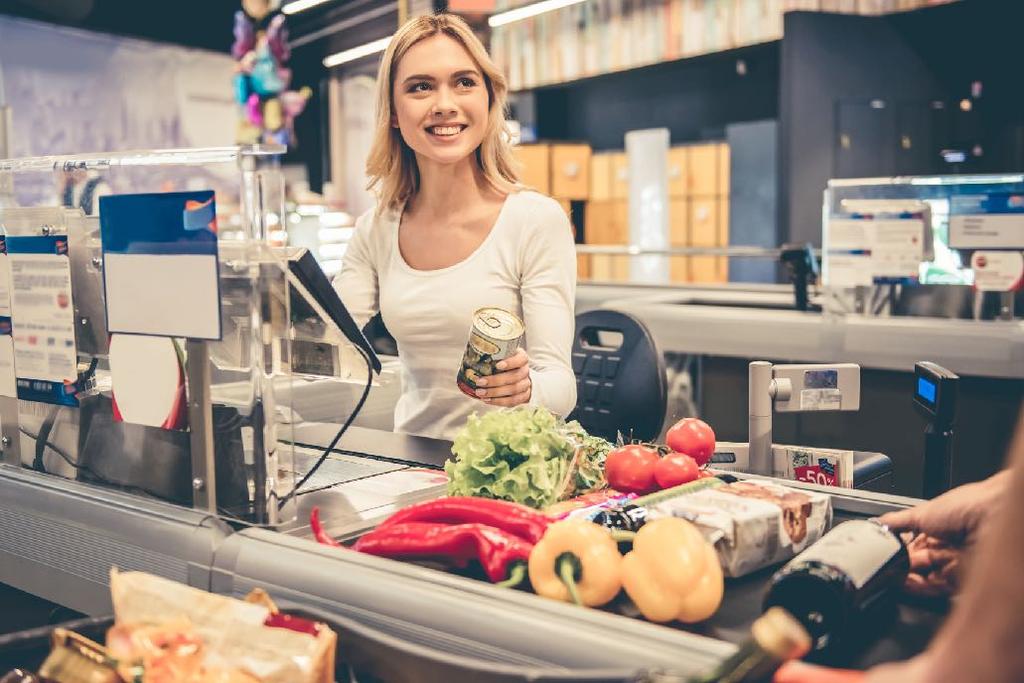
x: 494, y: 336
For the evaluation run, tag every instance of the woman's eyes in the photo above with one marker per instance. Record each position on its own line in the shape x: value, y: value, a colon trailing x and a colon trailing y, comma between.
x: 423, y: 86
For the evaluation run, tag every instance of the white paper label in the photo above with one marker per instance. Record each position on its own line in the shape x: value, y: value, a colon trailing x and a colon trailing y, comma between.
x: 998, y: 271
x: 162, y: 295
x: 43, y: 317
x: 8, y: 386
x: 859, y: 548
x: 821, y: 399
x: 850, y: 270
x: 987, y: 231
x: 863, y: 249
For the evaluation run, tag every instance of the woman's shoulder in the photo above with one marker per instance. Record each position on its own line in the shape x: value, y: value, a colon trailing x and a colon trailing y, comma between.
x: 536, y: 201
x: 376, y: 224
x: 538, y: 210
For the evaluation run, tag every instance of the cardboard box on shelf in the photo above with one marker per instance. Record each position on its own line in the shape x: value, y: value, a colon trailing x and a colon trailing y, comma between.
x: 704, y: 233
x: 601, y: 176
x: 583, y: 271
x: 620, y: 176
x: 609, y: 268
x: 535, y: 166
x: 702, y: 170
x: 620, y: 223
x: 723, y: 237
x: 570, y: 171
x: 598, y: 221
x: 724, y: 161
x: 679, y: 236
x: 678, y: 182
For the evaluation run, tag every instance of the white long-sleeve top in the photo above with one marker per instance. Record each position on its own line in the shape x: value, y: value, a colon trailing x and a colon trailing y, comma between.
x: 525, y: 265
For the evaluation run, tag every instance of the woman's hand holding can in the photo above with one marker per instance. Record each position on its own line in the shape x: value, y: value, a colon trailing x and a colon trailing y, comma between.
x: 511, y: 386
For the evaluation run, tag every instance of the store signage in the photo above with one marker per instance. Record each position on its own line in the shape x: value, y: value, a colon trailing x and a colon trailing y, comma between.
x: 998, y: 271
x: 42, y: 320
x: 988, y: 221
x: 160, y: 264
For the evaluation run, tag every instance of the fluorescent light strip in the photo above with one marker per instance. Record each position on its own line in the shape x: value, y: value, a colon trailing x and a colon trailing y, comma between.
x: 529, y: 11
x: 339, y: 58
x: 301, y: 6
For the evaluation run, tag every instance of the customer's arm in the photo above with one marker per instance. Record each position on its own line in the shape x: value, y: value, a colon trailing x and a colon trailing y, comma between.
x: 981, y: 640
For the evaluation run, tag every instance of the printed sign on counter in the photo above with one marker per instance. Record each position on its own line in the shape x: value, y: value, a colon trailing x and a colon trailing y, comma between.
x: 42, y: 319
x: 160, y: 264
x: 987, y: 221
x: 998, y: 271
x: 864, y: 249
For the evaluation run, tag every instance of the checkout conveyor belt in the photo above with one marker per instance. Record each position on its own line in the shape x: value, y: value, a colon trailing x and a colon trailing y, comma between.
x: 58, y: 539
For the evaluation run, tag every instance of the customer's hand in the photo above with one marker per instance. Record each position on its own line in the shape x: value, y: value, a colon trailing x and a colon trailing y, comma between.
x: 940, y: 530
x: 911, y: 671
x: 511, y: 386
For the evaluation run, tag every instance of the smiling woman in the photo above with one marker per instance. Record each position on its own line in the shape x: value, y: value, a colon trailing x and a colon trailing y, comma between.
x: 454, y: 232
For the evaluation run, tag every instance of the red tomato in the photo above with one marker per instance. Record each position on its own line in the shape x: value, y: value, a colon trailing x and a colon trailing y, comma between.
x: 675, y: 469
x: 693, y: 437
x: 631, y: 468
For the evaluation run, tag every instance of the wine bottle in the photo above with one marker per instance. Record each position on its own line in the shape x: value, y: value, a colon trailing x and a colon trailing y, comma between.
x: 776, y: 637
x: 834, y: 586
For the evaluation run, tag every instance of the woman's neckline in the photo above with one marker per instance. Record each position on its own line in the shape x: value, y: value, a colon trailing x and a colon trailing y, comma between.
x: 458, y: 264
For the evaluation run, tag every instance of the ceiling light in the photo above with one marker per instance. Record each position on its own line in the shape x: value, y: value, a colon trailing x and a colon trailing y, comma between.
x: 529, y: 11
x: 355, y: 53
x: 301, y: 5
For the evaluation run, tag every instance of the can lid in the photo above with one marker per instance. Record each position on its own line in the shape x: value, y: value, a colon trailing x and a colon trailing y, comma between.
x: 781, y: 635
x: 498, y: 323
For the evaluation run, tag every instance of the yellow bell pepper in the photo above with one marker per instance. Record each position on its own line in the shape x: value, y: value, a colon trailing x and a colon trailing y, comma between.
x: 672, y: 572
x: 576, y: 561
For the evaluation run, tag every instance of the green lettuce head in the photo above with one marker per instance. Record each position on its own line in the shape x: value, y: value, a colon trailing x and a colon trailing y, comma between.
x: 520, y: 455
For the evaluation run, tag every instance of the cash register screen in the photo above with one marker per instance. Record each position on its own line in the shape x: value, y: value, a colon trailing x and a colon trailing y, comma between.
x: 926, y: 389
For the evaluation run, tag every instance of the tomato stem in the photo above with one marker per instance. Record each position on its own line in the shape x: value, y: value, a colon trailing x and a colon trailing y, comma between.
x: 515, y: 576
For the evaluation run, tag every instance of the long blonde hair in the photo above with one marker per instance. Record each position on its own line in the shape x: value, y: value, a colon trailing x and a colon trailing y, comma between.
x: 391, y: 165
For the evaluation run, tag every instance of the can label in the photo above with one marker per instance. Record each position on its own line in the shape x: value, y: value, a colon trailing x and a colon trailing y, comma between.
x: 494, y: 336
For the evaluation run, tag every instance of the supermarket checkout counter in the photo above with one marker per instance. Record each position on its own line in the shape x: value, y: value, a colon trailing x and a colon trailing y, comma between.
x: 58, y: 539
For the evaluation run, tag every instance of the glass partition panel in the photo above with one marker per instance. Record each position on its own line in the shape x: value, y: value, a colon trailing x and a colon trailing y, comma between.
x: 942, y: 246
x: 97, y: 384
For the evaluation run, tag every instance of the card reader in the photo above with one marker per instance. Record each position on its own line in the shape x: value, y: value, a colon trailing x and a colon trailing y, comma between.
x: 935, y: 391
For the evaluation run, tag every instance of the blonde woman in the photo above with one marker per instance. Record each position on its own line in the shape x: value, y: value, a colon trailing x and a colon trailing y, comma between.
x: 453, y: 231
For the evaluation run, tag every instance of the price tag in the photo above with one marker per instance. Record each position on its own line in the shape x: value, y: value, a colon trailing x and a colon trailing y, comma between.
x: 814, y: 474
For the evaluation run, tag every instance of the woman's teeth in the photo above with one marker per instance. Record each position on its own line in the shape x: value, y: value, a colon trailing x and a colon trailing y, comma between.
x: 446, y: 131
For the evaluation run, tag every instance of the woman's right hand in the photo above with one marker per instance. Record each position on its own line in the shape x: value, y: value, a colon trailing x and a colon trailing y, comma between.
x: 939, y: 531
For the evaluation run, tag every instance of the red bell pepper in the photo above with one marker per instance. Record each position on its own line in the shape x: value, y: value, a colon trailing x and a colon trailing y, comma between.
x: 318, y: 530
x: 519, y: 520
x: 500, y: 553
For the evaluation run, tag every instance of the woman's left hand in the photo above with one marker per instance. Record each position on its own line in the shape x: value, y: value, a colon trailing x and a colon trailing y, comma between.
x: 509, y: 387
